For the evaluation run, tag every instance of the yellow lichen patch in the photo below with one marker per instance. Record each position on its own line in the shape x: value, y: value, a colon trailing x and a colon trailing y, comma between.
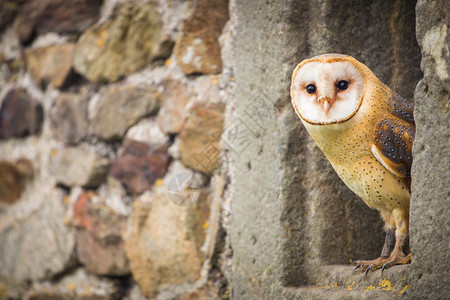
x: 102, y: 38
x: 53, y: 153
x: 386, y: 285
x: 66, y: 221
x: 71, y: 287
x: 352, y: 286
x: 88, y: 290
x: 205, y: 225
x: 369, y: 288
x: 215, y: 80
x: 90, y: 194
x: 4, y: 294
x: 159, y: 182
x: 350, y: 260
x: 332, y: 285
x: 66, y: 199
x: 168, y: 62
x: 404, y: 289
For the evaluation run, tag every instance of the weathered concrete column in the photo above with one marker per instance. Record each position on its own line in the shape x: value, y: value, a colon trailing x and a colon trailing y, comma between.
x: 430, y: 203
x: 291, y: 213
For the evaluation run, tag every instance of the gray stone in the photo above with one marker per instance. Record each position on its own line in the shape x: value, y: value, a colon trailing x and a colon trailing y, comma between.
x: 68, y: 117
x: 78, y: 167
x: 127, y: 42
x: 148, y: 131
x: 172, y: 114
x: 121, y: 106
x: 164, y: 241
x: 292, y: 215
x: 430, y: 202
x: 78, y: 285
x: 35, y: 243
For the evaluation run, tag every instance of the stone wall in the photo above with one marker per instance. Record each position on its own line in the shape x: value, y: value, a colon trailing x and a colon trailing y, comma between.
x: 111, y: 114
x: 148, y: 150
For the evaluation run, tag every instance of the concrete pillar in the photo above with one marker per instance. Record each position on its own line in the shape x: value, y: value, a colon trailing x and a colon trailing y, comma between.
x: 291, y: 213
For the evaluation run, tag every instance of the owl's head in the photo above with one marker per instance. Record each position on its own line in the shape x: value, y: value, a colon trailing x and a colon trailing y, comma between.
x: 328, y: 89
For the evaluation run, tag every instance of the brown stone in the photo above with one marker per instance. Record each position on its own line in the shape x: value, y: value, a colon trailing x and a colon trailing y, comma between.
x: 99, y: 237
x: 164, y: 243
x: 8, y: 10
x: 13, y: 178
x: 200, y: 138
x: 52, y: 64
x: 20, y: 115
x: 42, y: 16
x: 197, y: 49
x: 139, y: 166
x: 68, y: 117
x: 171, y: 116
x: 121, y: 106
x: 73, y: 166
x: 130, y: 40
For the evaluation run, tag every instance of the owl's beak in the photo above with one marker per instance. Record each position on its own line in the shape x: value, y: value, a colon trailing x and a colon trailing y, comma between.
x: 326, y: 106
x: 326, y: 103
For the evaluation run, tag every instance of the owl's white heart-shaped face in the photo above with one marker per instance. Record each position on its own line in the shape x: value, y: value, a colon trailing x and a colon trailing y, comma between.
x: 326, y: 92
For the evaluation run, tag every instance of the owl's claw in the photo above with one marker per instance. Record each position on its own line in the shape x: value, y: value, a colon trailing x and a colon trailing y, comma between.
x: 384, y: 267
x: 367, y: 270
x: 357, y: 267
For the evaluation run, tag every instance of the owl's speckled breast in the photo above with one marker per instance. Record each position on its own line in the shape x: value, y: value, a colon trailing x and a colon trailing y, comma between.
x: 348, y: 148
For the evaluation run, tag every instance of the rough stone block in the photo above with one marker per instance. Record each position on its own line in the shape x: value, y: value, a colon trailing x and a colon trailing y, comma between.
x: 119, y: 107
x: 20, y: 115
x: 78, y: 167
x: 197, y: 49
x: 430, y: 202
x: 42, y: 16
x: 130, y: 40
x: 35, y: 244
x: 52, y: 64
x: 200, y: 137
x: 139, y: 165
x: 13, y: 177
x: 99, y: 243
x: 164, y: 240
x: 171, y: 116
x: 68, y: 117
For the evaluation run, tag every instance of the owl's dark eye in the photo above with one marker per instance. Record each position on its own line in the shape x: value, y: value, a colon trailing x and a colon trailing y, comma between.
x: 310, y: 88
x: 342, y: 85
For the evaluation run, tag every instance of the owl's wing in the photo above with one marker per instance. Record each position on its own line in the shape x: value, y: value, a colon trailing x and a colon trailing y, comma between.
x: 394, y: 137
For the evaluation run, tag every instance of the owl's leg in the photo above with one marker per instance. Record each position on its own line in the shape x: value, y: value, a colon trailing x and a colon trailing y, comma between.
x: 399, y: 218
x: 397, y: 256
x: 389, y: 243
x: 388, y: 246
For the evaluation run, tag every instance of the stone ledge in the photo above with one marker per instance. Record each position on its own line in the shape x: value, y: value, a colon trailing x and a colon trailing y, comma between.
x: 341, y: 282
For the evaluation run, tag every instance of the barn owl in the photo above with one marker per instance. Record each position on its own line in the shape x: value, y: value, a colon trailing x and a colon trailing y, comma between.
x: 366, y: 131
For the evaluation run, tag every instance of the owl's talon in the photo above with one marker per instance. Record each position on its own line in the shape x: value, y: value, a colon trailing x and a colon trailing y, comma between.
x: 385, y: 266
x: 357, y: 267
x: 367, y: 270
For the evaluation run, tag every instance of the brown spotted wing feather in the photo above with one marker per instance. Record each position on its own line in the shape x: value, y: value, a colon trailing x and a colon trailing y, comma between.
x: 394, y: 137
